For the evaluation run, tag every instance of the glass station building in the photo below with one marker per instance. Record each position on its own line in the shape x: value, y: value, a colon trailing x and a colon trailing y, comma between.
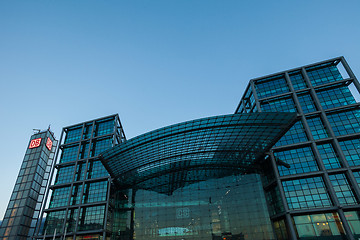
x: 285, y: 165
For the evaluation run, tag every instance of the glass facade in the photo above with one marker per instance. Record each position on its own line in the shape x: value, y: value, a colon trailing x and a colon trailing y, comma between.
x: 79, y: 196
x: 211, y: 179
x: 316, y: 163
x: 203, y: 210
x: 22, y: 214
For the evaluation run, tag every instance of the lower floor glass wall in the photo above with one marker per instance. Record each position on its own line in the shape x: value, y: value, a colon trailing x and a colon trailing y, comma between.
x: 319, y: 226
x: 233, y: 207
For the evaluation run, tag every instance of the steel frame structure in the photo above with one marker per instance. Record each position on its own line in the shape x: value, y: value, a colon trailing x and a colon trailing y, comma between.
x: 246, y: 106
x: 117, y: 136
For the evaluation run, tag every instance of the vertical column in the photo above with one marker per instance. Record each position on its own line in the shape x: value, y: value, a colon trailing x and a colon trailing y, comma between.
x: 288, y: 220
x: 72, y: 183
x: 350, y: 73
x: 107, y: 207
x: 325, y: 175
x: 257, y: 102
x: 52, y: 171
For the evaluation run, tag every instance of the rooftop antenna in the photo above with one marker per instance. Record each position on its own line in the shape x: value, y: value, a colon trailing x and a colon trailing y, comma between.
x: 36, y: 130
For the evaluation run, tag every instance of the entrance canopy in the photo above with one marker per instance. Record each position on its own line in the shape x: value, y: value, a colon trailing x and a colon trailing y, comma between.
x: 172, y: 157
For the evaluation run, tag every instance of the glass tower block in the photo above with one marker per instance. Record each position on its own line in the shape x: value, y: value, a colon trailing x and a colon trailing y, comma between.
x: 79, y: 196
x: 316, y: 164
x: 26, y: 201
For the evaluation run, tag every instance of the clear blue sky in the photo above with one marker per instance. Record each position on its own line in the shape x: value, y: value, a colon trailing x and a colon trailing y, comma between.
x: 155, y: 62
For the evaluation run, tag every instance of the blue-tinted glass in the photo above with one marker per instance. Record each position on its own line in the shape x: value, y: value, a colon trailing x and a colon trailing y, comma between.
x: 205, y: 210
x: 65, y: 175
x: 80, y: 171
x: 307, y: 103
x: 328, y: 156
x: 324, y: 74
x: 335, y: 97
x: 84, y: 150
x: 69, y: 154
x: 344, y: 123
x: 95, y: 192
x: 96, y: 170
x: 73, y: 134
x: 54, y: 220
x: 99, y: 146
x: 357, y: 177
x: 297, y: 80
x: 249, y: 99
x: 278, y: 105
x: 87, y: 131
x: 271, y: 86
x: 104, y: 127
x: 317, y: 128
x: 59, y: 197
x: 71, y: 220
x: 342, y: 189
x: 91, y: 218
x: 301, y: 160
x: 351, y: 150
x: 76, y: 194
x: 296, y: 134
x: 306, y: 193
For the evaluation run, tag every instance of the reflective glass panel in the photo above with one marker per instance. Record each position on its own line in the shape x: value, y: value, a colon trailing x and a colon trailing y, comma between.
x: 335, y: 97
x: 271, y: 86
x: 345, y: 122
x: 319, y: 226
x: 299, y: 160
x: 351, y: 150
x: 297, y: 80
x: 307, y: 103
x: 342, y: 189
x: 306, y: 193
x: 328, y: 156
x: 322, y: 74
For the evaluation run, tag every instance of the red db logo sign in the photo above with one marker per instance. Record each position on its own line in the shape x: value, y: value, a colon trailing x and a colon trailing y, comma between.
x: 49, y: 143
x: 35, y: 143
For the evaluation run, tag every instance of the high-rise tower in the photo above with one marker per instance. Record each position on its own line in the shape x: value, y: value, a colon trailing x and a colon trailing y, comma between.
x: 313, y: 185
x: 26, y: 201
x: 79, y: 195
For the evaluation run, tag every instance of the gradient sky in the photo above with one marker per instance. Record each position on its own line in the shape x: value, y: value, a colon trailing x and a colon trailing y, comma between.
x: 155, y: 62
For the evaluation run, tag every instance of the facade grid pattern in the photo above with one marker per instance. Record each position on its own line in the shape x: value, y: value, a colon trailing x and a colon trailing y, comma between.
x: 329, y: 120
x: 312, y: 184
x: 79, y: 197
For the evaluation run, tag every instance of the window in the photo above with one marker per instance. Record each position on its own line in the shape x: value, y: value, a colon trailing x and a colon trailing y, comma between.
x: 318, y: 225
x: 335, y: 97
x: 328, y: 155
x: 73, y: 134
x: 307, y: 103
x: 322, y: 74
x: 306, y: 193
x: 297, y: 80
x: 351, y: 150
x: 301, y: 160
x: 296, y: 134
x: 342, y: 189
x: 345, y: 122
x: 271, y: 86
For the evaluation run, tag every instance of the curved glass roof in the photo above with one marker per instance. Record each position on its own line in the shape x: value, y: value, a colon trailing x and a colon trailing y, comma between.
x: 175, y: 156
